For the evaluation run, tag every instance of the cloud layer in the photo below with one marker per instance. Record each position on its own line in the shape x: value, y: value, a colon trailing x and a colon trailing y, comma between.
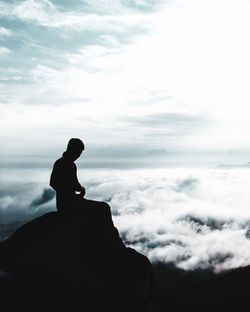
x: 193, y: 218
x: 47, y: 195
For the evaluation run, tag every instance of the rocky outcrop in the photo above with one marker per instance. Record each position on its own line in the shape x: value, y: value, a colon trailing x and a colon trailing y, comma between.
x: 76, y: 264
x: 65, y: 261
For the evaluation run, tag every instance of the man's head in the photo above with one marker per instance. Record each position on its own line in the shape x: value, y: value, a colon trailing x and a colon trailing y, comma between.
x: 74, y: 148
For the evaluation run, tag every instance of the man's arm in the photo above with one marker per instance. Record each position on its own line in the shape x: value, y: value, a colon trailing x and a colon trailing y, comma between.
x: 78, y: 186
x: 62, y: 177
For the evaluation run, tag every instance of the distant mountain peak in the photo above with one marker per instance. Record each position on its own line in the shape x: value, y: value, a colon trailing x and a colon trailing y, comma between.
x: 246, y: 165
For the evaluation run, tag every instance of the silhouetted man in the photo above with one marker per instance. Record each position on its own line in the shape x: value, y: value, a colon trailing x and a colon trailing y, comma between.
x: 64, y: 177
x: 65, y: 182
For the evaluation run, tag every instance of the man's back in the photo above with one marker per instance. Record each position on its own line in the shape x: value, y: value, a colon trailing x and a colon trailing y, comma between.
x: 64, y: 181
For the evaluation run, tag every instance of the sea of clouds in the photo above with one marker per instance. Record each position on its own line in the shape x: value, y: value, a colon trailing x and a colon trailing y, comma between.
x: 193, y: 218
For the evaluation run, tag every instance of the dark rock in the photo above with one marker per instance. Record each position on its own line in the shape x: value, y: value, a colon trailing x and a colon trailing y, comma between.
x: 64, y: 261
x: 201, y: 289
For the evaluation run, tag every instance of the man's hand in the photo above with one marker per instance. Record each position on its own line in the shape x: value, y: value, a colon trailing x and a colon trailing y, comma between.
x: 83, y: 192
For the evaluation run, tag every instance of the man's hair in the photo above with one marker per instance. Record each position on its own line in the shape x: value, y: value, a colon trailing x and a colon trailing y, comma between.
x: 74, y: 144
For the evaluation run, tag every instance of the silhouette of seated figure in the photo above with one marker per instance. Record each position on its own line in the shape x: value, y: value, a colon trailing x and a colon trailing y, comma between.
x: 70, y: 193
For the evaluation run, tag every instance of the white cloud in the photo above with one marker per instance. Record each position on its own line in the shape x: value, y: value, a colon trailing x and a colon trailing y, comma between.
x: 39, y: 11
x: 45, y: 13
x: 4, y: 51
x: 196, y: 218
x: 5, y: 202
x: 4, y: 32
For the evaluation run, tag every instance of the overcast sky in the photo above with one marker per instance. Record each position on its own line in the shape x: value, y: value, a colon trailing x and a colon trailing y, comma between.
x: 125, y: 75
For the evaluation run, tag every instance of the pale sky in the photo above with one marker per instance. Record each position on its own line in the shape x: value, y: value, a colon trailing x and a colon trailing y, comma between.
x: 125, y: 75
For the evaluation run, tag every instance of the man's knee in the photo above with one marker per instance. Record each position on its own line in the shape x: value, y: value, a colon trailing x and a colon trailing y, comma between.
x: 106, y: 207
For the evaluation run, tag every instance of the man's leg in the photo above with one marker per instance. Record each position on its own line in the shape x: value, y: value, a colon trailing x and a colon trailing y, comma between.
x: 99, y: 211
